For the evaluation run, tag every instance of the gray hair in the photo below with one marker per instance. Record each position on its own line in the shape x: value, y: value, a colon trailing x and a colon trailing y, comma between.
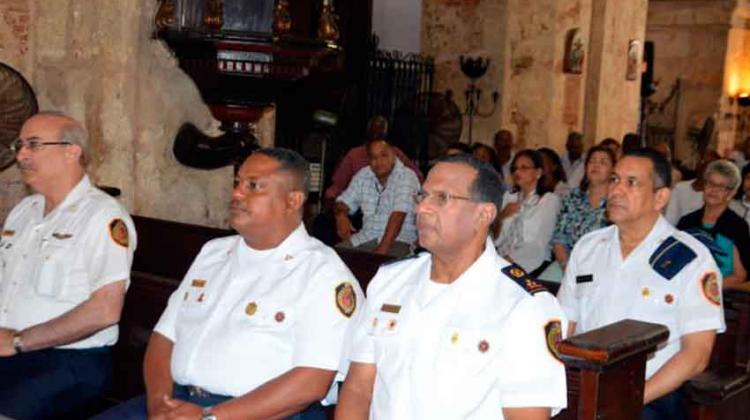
x: 71, y: 132
x: 725, y: 169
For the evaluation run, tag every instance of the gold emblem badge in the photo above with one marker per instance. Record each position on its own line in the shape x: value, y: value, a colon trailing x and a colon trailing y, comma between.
x: 8, y: 233
x: 346, y: 299
x: 118, y: 231
x: 251, y: 308
x: 392, y: 324
x: 517, y: 272
x: 710, y: 287
x: 553, y: 331
x: 454, y: 338
x: 645, y: 292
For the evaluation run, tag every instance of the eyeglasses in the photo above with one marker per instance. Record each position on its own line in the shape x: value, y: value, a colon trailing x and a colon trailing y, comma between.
x: 441, y: 198
x: 709, y: 185
x: 520, y: 168
x: 34, y: 144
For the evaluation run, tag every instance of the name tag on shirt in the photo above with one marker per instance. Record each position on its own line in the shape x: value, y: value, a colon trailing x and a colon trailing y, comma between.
x: 586, y: 278
x: 392, y: 309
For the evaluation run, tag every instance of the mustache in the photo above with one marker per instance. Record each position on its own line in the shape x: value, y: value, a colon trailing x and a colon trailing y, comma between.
x: 236, y: 204
x: 24, y: 165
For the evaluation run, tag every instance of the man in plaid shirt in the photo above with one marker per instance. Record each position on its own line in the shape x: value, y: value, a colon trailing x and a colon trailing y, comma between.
x: 384, y: 191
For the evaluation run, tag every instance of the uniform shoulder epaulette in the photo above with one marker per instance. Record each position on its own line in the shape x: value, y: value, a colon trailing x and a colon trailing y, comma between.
x: 527, y: 283
x: 671, y: 257
x: 400, y: 259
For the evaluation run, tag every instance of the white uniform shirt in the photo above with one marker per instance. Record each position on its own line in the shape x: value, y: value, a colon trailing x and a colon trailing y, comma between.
x: 51, y: 264
x: 242, y: 317
x: 684, y: 200
x: 574, y: 170
x: 599, y: 288
x: 460, y: 351
x: 527, y: 240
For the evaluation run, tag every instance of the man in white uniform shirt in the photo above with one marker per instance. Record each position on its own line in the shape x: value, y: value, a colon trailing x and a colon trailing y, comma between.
x: 573, y: 159
x: 256, y: 329
x: 65, y: 256
x: 457, y: 333
x: 643, y: 268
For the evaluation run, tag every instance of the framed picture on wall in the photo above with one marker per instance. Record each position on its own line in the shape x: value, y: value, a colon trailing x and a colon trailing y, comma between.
x: 574, y: 52
x: 634, y: 58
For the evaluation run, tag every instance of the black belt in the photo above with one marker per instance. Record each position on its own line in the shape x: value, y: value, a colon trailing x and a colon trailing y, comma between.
x: 198, y: 392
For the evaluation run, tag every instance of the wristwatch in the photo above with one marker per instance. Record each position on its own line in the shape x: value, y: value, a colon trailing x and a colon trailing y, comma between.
x: 17, y: 343
x: 207, y: 414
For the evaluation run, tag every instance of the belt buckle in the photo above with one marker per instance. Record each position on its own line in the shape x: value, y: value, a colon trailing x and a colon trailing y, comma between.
x: 196, y: 391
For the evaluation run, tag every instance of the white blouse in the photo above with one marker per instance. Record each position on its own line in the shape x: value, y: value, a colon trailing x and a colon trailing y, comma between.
x: 525, y: 237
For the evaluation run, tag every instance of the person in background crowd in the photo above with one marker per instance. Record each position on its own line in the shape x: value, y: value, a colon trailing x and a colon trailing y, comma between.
x: 630, y: 142
x: 643, y: 268
x: 504, y: 148
x: 457, y: 148
x: 498, y: 360
x: 741, y: 156
x: 65, y: 257
x: 687, y: 196
x: 357, y: 158
x: 384, y: 191
x: 741, y: 203
x: 572, y: 159
x: 666, y: 151
x: 728, y: 232
x: 553, y: 177
x: 485, y: 154
x: 612, y: 145
x: 584, y: 209
x: 528, y: 217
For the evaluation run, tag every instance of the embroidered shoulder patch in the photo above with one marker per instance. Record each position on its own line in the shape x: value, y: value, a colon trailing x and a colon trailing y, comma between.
x: 711, y: 289
x: 671, y: 257
x: 118, y: 231
x: 346, y: 299
x: 553, y: 334
x: 524, y: 280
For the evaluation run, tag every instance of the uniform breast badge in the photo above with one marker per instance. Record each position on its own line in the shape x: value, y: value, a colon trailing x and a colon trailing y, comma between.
x: 483, y: 346
x: 669, y: 298
x: 645, y: 292
x: 553, y: 332
x: 710, y: 287
x: 251, y: 308
x: 118, y: 231
x: 8, y: 233
x: 346, y: 299
x: 62, y: 236
x: 279, y: 316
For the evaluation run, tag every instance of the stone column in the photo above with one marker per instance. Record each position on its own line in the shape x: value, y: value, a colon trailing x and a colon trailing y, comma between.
x: 733, y: 118
x: 612, y: 101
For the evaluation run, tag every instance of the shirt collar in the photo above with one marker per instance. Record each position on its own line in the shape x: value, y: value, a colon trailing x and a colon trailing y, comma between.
x: 73, y: 196
x: 291, y: 245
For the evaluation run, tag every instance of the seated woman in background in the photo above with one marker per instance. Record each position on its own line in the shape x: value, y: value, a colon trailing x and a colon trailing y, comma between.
x: 584, y: 209
x: 741, y: 203
x: 553, y: 176
x: 528, y: 217
x: 728, y: 232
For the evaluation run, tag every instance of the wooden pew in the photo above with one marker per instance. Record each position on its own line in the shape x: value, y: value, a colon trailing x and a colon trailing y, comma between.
x: 723, y: 391
x: 600, y: 363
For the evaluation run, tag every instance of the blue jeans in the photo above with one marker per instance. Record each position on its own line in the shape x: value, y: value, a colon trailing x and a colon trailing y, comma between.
x: 50, y: 383
x: 135, y: 408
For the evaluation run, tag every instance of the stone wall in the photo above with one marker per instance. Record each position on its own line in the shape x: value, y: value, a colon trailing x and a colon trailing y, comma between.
x: 691, y: 41
x: 98, y: 62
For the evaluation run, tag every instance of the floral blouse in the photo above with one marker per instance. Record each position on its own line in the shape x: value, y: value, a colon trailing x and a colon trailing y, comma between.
x: 577, y: 218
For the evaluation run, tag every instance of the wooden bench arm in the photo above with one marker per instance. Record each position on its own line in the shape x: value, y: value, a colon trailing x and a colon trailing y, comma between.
x: 612, y: 343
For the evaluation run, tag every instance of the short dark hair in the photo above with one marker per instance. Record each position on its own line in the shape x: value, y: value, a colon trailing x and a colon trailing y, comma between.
x: 291, y: 162
x: 536, y: 159
x: 558, y: 172
x: 486, y: 187
x: 662, y: 167
x: 630, y: 141
x: 574, y: 136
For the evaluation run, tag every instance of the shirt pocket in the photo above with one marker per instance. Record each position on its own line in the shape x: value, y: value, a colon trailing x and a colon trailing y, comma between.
x: 59, y: 277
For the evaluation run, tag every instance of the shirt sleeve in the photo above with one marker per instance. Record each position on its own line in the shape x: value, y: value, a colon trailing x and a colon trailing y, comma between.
x: 408, y: 185
x: 361, y: 346
x: 333, y: 307
x: 673, y: 212
x: 351, y: 195
x: 108, y: 247
x: 701, y: 306
x: 531, y: 373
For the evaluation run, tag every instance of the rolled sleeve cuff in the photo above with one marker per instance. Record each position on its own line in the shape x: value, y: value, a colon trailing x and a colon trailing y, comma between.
x: 699, y: 325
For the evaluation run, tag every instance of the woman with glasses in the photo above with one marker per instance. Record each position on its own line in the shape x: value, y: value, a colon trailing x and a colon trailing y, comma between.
x: 722, y: 230
x: 584, y: 209
x: 741, y: 203
x: 528, y: 217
